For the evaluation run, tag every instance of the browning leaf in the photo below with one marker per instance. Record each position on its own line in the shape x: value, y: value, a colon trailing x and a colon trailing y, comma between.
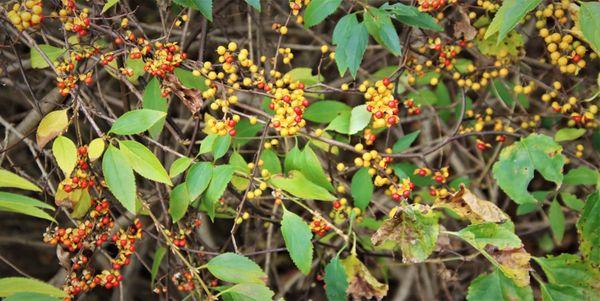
x: 468, y: 206
x: 414, y: 228
x: 191, y: 98
x: 463, y: 27
x: 514, y: 263
x: 361, y: 284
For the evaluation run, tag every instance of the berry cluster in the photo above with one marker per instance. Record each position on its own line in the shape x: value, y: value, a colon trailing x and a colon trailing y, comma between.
x: 411, y: 107
x: 319, y: 227
x: 184, y: 281
x: 74, y: 20
x: 26, y: 14
x: 381, y: 102
x: 288, y: 104
x: 223, y: 127
x: 296, y: 6
x: 431, y: 5
x: 82, y: 178
x: 163, y: 59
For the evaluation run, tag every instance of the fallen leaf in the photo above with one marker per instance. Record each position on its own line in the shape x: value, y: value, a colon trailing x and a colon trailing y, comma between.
x: 468, y: 206
x: 361, y: 284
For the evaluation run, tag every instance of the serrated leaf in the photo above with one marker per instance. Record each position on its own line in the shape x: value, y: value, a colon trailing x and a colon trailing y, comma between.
x: 179, y: 200
x: 570, y: 269
x: 65, y: 152
x: 179, y: 166
x: 481, y: 235
x: 144, y: 162
x: 271, y: 161
x: 11, y: 180
x: 108, y: 5
x: 221, y: 146
x: 557, y: 292
x: 495, y: 286
x: 405, y: 142
x: 236, y: 268
x: 581, y: 176
x: 198, y: 178
x: 53, y: 53
x: 312, y: 168
x: 52, y: 125
x: 568, y: 134
x: 361, y: 284
x: 203, y: 6
x: 362, y: 188
x: 26, y: 209
x: 136, y: 121
x: 318, y: 10
x: 12, y: 285
x: 325, y: 111
x: 508, y: 16
x: 410, y: 15
x: 380, y: 27
x: 292, y: 159
x: 153, y: 100
x: 95, y: 149
x: 351, y: 38
x: 588, y: 227
x: 245, y: 132
x: 299, y: 186
x: 589, y: 22
x: 119, y: 177
x: 248, y: 292
x: 336, y: 283
x: 222, y: 175
x: 297, y: 236
x: 517, y: 163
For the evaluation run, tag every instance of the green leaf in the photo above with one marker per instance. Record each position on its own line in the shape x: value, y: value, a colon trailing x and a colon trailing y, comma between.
x: 158, y: 257
x: 481, y: 235
x: 292, y: 160
x: 312, y: 168
x: 52, y: 125
x: 236, y: 268
x: 297, y: 236
x: 351, y: 39
x: 572, y: 201
x: 221, y: 177
x: 153, y: 100
x: 569, y: 269
x: 30, y: 297
x: 380, y: 26
x: 589, y: 22
x: 318, y: 10
x: 515, y: 168
x: 206, y: 145
x: 204, y: 6
x: 144, y: 162
x: 305, y: 76
x: 325, y: 111
x: 557, y: 220
x: 362, y: 188
x: 581, y: 176
x: 23, y: 199
x: 11, y: 180
x: 179, y: 201
x: 26, y: 209
x: 239, y: 164
x: 220, y: 146
x: 95, y: 149
x: 271, y: 161
x: 245, y: 131
x: 12, y: 285
x: 180, y: 165
x: 359, y: 119
x: 188, y: 79
x: 254, y: 3
x: 198, y: 178
x: 502, y: 92
x: 588, y: 227
x: 65, y: 152
x: 495, y: 286
x: 410, y: 15
x: 53, y: 53
x: 335, y: 280
x: 299, y: 186
x: 248, y: 292
x: 119, y: 177
x: 557, y: 292
x: 405, y: 142
x: 136, y: 121
x: 508, y: 16
x: 108, y: 5
x: 568, y: 134
x: 83, y: 204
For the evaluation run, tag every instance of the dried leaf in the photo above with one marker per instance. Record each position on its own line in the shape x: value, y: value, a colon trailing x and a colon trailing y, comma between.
x: 414, y: 228
x: 361, y: 284
x: 468, y: 206
x: 463, y: 27
x: 191, y: 98
x: 514, y: 263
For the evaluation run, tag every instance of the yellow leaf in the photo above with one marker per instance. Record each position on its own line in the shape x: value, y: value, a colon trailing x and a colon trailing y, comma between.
x: 95, y: 149
x: 51, y: 126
